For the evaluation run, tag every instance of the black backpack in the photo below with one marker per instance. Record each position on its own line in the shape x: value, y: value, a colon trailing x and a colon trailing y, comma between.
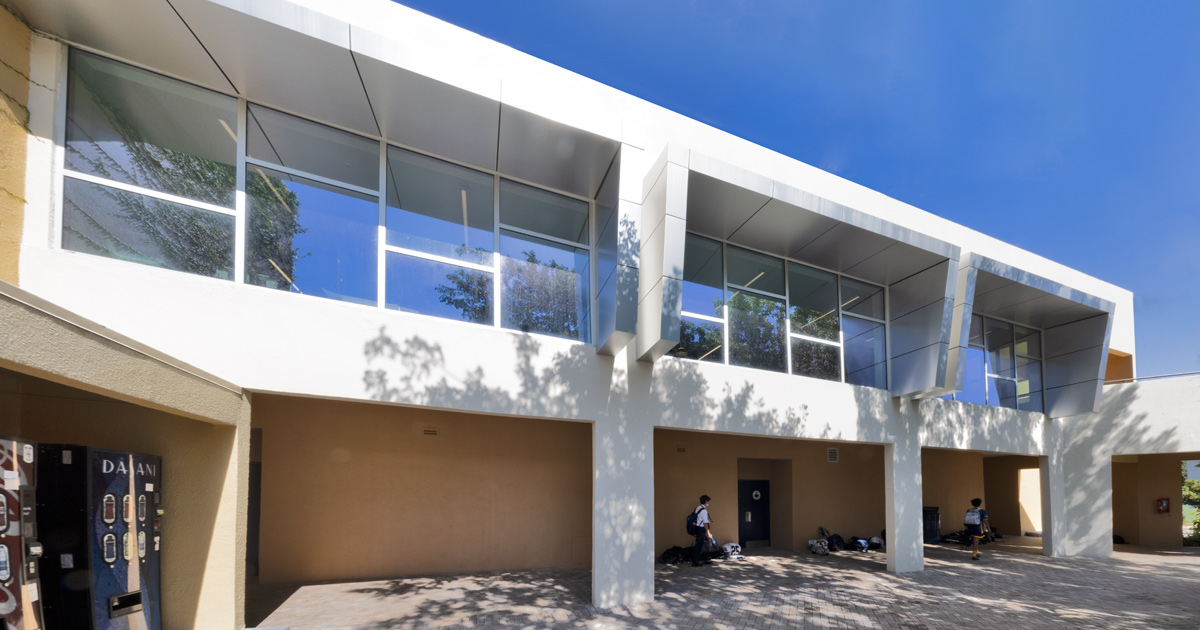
x: 691, y: 522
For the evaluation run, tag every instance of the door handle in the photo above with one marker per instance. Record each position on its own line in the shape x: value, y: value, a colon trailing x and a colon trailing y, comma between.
x: 747, y: 517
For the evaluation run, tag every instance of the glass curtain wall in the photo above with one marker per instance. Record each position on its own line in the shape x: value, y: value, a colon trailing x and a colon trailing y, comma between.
x: 153, y: 175
x: 746, y: 308
x: 1004, y: 365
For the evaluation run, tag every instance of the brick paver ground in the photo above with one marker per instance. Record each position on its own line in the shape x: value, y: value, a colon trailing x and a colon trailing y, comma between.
x: 1012, y: 588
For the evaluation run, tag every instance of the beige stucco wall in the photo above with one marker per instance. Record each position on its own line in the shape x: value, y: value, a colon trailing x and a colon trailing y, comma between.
x: 1125, y: 501
x: 356, y: 490
x: 14, y: 122
x: 200, y: 575
x: 950, y: 479
x: 1013, y: 498
x: 1158, y: 477
x: 846, y: 497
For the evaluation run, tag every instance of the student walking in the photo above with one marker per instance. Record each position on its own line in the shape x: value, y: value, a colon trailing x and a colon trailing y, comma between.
x: 703, y: 530
x: 976, y: 520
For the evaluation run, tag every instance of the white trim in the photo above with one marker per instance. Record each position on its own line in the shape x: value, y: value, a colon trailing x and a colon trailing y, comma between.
x: 707, y: 318
x: 315, y: 178
x: 441, y: 259
x: 555, y: 239
x: 836, y: 344
x: 145, y: 192
x: 765, y: 294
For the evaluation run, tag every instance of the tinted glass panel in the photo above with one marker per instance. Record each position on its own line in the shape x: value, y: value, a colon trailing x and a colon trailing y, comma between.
x: 818, y: 360
x: 866, y: 352
x: 423, y: 286
x: 311, y: 238
x: 703, y: 285
x: 976, y: 330
x: 1029, y: 380
x: 863, y: 299
x: 700, y: 339
x: 543, y: 212
x: 1002, y: 392
x: 544, y: 287
x: 126, y: 226
x: 755, y: 271
x: 1029, y: 341
x: 1032, y: 402
x: 439, y: 208
x: 756, y: 333
x: 140, y: 128
x: 974, y: 385
x: 998, y: 337
x: 296, y: 143
x: 814, y: 306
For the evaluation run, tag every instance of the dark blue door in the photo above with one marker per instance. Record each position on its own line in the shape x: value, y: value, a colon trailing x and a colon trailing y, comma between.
x: 754, y: 512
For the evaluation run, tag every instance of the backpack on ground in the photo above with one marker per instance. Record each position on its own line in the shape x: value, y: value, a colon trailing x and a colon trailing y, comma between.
x: 819, y: 546
x: 874, y: 543
x: 836, y: 542
x: 972, y: 517
x: 859, y: 544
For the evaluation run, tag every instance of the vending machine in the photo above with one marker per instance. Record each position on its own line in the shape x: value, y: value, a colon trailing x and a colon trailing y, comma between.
x: 20, y: 591
x: 101, y: 522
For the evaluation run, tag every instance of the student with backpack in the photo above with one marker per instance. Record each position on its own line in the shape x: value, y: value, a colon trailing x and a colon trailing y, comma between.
x: 699, y: 525
x: 976, y: 520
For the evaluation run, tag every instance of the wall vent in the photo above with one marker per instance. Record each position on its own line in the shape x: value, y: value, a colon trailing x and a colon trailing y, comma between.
x: 430, y: 431
x: 831, y: 455
x: 680, y: 449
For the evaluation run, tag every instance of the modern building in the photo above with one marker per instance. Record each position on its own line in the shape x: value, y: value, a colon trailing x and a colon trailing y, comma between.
x: 390, y: 298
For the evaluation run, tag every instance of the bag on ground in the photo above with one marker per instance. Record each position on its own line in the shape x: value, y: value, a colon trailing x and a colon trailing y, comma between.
x: 836, y: 542
x: 819, y: 546
x: 710, y: 546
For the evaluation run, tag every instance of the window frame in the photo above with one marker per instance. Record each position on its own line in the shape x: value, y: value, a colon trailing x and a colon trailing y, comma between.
x: 240, y: 208
x: 988, y: 374
x: 786, y: 297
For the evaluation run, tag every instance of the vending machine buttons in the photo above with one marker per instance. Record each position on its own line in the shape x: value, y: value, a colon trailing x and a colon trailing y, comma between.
x: 3, y: 513
x: 109, y: 509
x: 142, y: 544
x: 5, y: 566
x: 127, y: 507
x: 110, y: 548
x: 126, y: 546
x: 142, y: 508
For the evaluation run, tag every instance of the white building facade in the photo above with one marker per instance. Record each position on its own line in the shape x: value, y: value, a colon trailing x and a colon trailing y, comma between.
x: 380, y: 229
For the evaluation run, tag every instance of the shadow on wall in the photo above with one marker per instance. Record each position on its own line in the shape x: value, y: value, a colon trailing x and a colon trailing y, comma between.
x: 952, y: 424
x: 1089, y: 447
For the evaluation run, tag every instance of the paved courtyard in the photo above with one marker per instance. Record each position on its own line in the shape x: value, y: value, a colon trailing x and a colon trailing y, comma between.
x: 1013, y: 588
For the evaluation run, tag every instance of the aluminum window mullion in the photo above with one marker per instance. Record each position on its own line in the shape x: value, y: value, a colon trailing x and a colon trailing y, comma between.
x: 436, y: 258
x: 725, y: 302
x: 744, y: 289
x: 381, y: 232
x: 528, y: 232
x: 497, y: 259
x: 153, y: 194
x: 707, y: 318
x: 239, y: 199
x: 57, y: 220
x: 827, y: 342
x: 316, y: 178
x: 592, y: 294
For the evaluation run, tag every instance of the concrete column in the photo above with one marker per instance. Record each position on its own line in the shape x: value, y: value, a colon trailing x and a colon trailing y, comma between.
x: 622, y: 512
x: 902, y: 491
x: 1053, y: 492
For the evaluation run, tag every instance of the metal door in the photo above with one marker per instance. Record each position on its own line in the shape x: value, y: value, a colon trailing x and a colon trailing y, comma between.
x: 754, y: 513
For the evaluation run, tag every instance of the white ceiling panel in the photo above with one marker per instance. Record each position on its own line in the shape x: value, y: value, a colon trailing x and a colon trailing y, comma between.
x: 781, y: 228
x: 842, y: 247
x: 146, y: 32
x: 552, y: 154
x: 895, y: 263
x: 432, y: 116
x: 304, y: 67
x: 718, y: 208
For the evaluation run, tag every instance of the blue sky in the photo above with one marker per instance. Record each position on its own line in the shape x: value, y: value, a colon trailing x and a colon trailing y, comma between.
x: 1068, y: 128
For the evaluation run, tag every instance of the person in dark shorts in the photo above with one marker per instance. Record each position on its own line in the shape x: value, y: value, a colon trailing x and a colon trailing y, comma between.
x: 703, y: 530
x: 976, y: 520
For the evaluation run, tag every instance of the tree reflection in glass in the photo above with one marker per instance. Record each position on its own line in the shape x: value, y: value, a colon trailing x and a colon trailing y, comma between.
x: 817, y: 360
x: 544, y: 287
x: 701, y: 340
x: 756, y: 333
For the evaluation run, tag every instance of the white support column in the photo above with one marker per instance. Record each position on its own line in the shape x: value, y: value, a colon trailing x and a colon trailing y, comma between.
x: 622, y: 512
x: 1053, y: 492
x: 902, y: 490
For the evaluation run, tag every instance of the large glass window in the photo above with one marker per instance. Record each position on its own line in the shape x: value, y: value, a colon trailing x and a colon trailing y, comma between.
x: 1003, y: 366
x: 756, y: 310
x: 150, y: 166
x: 439, y: 208
x: 152, y: 175
x: 310, y: 237
x: 544, y: 286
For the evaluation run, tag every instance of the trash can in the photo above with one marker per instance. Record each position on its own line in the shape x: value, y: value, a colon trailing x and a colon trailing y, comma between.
x: 933, y: 525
